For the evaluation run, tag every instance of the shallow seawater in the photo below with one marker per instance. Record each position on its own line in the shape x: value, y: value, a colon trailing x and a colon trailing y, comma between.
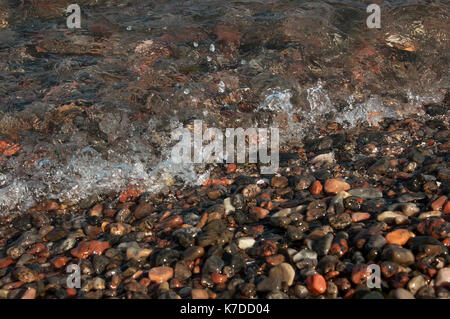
x: 92, y: 109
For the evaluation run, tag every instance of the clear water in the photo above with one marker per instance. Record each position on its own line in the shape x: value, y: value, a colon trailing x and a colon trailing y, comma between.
x: 139, y: 69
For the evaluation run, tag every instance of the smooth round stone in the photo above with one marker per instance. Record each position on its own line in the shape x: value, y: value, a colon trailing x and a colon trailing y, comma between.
x: 332, y: 289
x: 160, y: 274
x: 281, y: 213
x: 301, y: 291
x: 406, y: 198
x: 304, y: 182
x: 182, y: 271
x: 185, y: 238
x: 304, y: 254
x: 207, y: 238
x: 443, y: 278
x: 229, y: 208
x: 340, y: 221
x: 277, y: 295
x: 281, y: 219
x: 399, y: 236
x: 98, y: 283
x: 259, y: 212
x: 56, y: 234
x: 376, y: 242
x: 410, y: 209
x: 30, y: 293
x: 284, y: 272
x: 248, y: 290
x: 417, y: 242
x: 269, y: 284
x: 279, y: 182
x: 366, y: 193
x: 321, y: 245
x: 334, y: 186
x: 316, y: 283
x: 429, y: 214
x: 25, y: 275
x: 166, y: 257
x: 238, y: 201
x: 237, y: 263
x: 64, y: 245
x: 194, y: 252
x: 294, y: 234
x: 438, y: 203
x: 246, y: 242
x: 214, y: 194
x: 99, y: 263
x: 327, y: 264
x: 360, y: 216
x: 352, y: 203
x: 399, y: 255
x: 390, y: 217
x: 306, y: 264
x: 401, y: 293
x: 138, y: 254
x: 213, y: 264
x: 416, y: 283
x: 275, y: 260
x: 316, y: 188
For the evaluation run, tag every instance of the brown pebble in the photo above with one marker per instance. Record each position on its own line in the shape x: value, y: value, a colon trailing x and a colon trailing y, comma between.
x: 438, y: 203
x: 398, y: 236
x: 334, y: 186
x: 198, y: 293
x: 275, y: 260
x: 59, y: 262
x: 5, y: 262
x: 279, y: 182
x: 446, y: 209
x: 259, y: 212
x: 30, y: 293
x: 160, y: 274
x: 359, y: 274
x: 218, y: 278
x: 358, y: 217
x: 316, y: 188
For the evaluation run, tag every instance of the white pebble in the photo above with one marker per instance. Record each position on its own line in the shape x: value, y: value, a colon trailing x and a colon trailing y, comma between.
x: 246, y: 242
x: 229, y: 208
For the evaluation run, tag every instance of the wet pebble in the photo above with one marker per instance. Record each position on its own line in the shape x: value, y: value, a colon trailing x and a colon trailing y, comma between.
x: 284, y: 272
x: 334, y: 186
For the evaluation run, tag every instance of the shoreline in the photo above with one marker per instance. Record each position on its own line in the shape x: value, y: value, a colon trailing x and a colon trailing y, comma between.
x: 309, y: 232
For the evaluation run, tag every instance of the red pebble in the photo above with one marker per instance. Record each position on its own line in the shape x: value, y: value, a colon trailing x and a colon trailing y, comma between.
x: 218, y: 278
x: 231, y: 168
x: 438, y: 203
x: 316, y: 283
x: 316, y: 188
x: 5, y: 262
